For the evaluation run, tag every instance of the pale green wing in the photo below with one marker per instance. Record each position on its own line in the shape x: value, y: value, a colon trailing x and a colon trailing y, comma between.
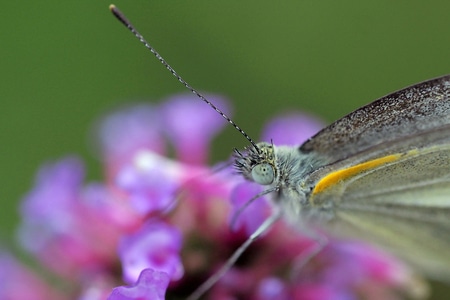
x: 403, y: 205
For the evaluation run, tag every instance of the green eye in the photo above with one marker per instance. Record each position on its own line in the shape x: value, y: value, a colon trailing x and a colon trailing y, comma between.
x: 263, y: 174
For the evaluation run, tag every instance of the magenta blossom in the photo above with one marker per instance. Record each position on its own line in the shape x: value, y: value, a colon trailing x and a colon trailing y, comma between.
x: 18, y: 282
x: 63, y: 221
x: 151, y: 285
x: 156, y: 228
x: 137, y: 251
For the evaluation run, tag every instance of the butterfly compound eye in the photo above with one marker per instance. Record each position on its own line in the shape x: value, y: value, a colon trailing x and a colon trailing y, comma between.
x: 263, y: 174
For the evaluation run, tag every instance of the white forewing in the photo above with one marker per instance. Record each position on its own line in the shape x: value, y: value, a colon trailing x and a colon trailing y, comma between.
x: 403, y: 205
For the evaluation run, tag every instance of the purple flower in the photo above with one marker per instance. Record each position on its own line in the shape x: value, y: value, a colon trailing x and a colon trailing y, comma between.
x: 272, y: 288
x: 61, y: 226
x: 190, y: 124
x: 18, y: 282
x: 155, y: 246
x: 291, y: 129
x: 251, y: 217
x: 151, y: 285
x: 120, y: 134
x: 150, y: 183
x: 163, y: 225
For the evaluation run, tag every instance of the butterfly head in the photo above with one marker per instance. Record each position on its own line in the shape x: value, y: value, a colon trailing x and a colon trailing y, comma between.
x: 257, y: 164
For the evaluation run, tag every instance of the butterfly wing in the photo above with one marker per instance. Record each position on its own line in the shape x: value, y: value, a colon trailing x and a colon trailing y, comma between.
x: 386, y: 170
x: 402, y: 203
x: 405, y: 113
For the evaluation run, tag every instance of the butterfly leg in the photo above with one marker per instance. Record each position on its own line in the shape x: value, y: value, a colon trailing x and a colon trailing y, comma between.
x: 266, y: 225
x: 320, y: 242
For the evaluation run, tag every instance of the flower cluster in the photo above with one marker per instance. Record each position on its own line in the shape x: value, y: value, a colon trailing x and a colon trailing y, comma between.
x: 156, y: 228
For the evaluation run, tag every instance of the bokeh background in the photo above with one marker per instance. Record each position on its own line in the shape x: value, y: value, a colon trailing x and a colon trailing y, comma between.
x: 64, y: 63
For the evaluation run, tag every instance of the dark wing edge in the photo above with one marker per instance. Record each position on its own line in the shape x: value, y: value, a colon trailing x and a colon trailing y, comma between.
x: 407, y: 112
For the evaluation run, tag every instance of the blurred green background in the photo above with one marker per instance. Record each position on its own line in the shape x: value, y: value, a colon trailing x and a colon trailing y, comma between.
x: 64, y: 63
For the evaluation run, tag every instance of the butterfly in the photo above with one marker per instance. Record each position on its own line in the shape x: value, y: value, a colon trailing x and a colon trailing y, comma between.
x: 381, y: 173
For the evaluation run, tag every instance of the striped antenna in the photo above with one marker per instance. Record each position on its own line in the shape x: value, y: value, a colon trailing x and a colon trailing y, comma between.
x: 121, y: 17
